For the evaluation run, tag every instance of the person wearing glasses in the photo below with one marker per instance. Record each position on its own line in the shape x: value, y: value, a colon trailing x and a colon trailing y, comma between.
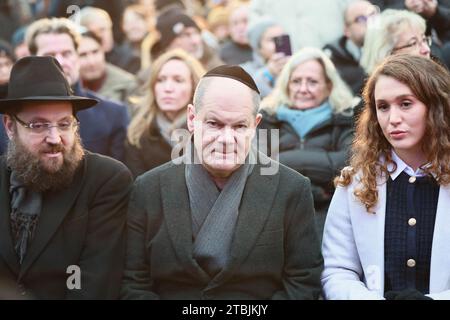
x: 386, y: 234
x: 394, y: 32
x: 437, y: 16
x: 62, y: 208
x: 311, y: 108
x: 103, y: 128
x: 346, y: 51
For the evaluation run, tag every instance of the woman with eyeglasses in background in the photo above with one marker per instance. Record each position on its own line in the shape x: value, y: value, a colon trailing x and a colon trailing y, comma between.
x: 311, y: 106
x: 393, y: 32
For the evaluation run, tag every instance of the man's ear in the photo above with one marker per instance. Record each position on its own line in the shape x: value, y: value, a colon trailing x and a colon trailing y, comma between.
x: 190, y: 117
x: 258, y: 119
x: 9, y: 125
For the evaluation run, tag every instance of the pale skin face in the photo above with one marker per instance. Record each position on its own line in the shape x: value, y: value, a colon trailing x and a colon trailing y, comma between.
x: 224, y: 126
x: 173, y: 88
x: 413, y: 41
x: 103, y: 28
x: 61, y: 47
x: 5, y: 69
x: 267, y: 45
x: 190, y: 40
x: 402, y: 118
x: 92, y: 59
x: 238, y: 25
x: 357, y: 15
x: 308, y: 87
x: 134, y: 26
x: 38, y: 144
x: 21, y: 51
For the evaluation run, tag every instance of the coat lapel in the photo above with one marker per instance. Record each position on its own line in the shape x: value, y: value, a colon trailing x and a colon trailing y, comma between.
x: 6, y: 243
x: 257, y: 199
x: 440, y: 257
x: 175, y: 201
x: 55, y: 207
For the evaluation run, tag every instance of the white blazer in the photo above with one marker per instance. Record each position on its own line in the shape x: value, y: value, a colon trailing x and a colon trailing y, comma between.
x: 353, y: 247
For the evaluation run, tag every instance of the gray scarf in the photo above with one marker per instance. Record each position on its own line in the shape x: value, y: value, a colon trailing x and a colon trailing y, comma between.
x: 26, y: 207
x: 214, y: 214
x: 167, y: 127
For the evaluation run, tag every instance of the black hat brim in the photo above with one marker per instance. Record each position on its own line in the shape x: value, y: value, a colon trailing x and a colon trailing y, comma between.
x: 78, y: 103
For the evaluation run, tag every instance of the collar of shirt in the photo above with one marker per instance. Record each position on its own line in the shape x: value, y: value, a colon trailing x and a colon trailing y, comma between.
x: 402, y: 166
x: 353, y: 49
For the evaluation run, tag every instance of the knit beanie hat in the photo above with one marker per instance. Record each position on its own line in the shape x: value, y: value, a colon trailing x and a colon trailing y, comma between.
x: 171, y: 24
x: 256, y: 30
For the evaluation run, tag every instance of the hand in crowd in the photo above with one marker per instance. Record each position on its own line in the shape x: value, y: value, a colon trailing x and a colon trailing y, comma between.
x: 276, y: 63
x: 426, y: 8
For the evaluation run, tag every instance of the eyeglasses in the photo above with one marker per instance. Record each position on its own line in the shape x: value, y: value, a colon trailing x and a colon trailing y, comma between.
x: 415, y: 43
x: 63, y: 126
x: 364, y: 17
x: 309, y: 83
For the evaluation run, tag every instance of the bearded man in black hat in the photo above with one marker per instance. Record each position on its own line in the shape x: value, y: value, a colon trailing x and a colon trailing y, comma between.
x: 62, y: 209
x: 224, y: 221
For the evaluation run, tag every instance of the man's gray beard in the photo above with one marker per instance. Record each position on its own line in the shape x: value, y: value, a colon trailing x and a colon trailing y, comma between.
x: 31, y: 172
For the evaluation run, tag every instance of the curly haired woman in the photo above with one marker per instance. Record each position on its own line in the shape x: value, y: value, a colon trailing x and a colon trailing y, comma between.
x: 386, y: 234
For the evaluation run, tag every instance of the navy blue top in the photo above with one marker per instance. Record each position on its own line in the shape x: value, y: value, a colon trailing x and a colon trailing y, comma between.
x: 405, y: 241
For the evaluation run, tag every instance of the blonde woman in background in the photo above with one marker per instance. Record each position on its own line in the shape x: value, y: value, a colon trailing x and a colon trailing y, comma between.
x: 173, y: 79
x: 392, y: 32
x: 311, y: 108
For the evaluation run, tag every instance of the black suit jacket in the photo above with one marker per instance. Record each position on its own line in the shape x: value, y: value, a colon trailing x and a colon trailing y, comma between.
x: 275, y: 252
x: 103, y: 128
x: 83, y: 225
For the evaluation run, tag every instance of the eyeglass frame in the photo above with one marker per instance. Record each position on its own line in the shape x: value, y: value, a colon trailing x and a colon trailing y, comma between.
x: 425, y: 39
x: 365, y: 17
x: 48, y: 125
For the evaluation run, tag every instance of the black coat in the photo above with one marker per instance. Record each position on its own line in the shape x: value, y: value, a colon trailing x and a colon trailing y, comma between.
x: 275, y: 251
x: 103, y: 128
x: 83, y: 225
x: 349, y: 69
x: 154, y: 151
x: 319, y: 156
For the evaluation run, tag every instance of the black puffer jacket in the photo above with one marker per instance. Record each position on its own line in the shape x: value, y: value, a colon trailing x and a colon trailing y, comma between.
x: 319, y: 156
x: 349, y: 69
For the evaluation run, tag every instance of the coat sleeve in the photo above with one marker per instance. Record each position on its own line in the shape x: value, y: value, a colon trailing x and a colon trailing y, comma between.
x: 320, y: 165
x: 303, y: 259
x: 137, y: 283
x: 343, y: 272
x: 444, y: 295
x: 101, y: 261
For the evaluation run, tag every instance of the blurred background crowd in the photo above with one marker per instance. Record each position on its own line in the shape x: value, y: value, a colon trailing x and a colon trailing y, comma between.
x: 143, y: 59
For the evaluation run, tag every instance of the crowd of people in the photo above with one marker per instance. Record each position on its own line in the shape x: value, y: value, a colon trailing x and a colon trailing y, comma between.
x: 225, y: 149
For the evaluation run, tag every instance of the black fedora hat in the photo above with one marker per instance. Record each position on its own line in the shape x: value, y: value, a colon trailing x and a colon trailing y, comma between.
x: 39, y: 79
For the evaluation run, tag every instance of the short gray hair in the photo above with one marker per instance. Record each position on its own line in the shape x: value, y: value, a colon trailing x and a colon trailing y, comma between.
x: 206, y: 82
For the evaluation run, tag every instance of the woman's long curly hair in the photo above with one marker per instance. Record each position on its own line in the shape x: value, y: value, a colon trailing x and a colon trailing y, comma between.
x: 371, y: 151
